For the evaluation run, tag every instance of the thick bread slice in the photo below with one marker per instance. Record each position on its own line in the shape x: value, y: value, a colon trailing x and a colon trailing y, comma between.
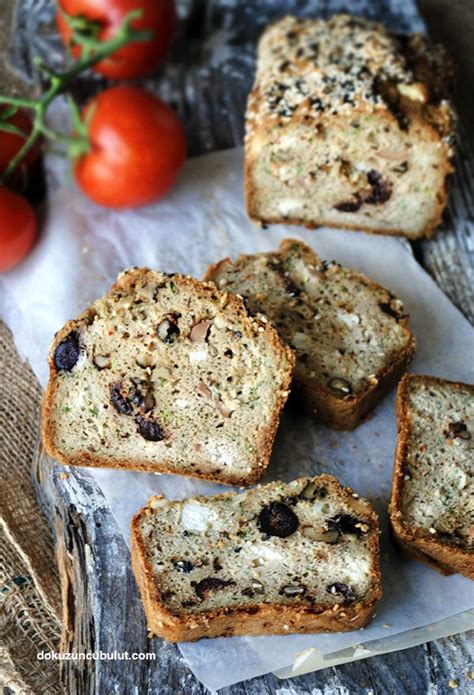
x: 280, y: 558
x: 348, y: 125
x: 167, y: 374
x: 432, y: 505
x: 351, y: 336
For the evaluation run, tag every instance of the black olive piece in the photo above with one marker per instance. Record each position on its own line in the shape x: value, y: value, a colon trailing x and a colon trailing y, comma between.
x: 349, y: 205
x: 121, y: 403
x: 381, y: 189
x: 149, y: 429
x: 208, y: 584
x: 344, y: 523
x: 457, y: 430
x: 340, y: 589
x: 183, y: 566
x: 67, y: 352
x: 390, y: 311
x: 136, y: 396
x: 168, y: 329
x: 276, y: 519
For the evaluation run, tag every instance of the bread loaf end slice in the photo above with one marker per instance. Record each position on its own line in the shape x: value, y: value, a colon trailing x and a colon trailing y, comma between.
x: 432, y: 509
x: 169, y: 375
x: 350, y: 335
x: 349, y: 125
x: 279, y: 558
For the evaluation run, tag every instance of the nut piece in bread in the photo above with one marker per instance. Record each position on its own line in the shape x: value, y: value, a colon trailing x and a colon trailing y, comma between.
x: 167, y: 374
x: 432, y: 505
x: 279, y: 558
x: 350, y: 335
x: 348, y: 125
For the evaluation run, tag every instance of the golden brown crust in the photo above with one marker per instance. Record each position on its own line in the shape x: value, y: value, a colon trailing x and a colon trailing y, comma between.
x: 259, y: 619
x: 86, y: 459
x: 341, y: 413
x: 416, y: 541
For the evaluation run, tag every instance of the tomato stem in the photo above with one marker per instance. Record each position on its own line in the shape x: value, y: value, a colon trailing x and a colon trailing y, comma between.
x: 94, y: 51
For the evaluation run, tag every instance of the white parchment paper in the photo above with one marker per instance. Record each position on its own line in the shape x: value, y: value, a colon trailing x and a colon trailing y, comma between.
x: 82, y: 249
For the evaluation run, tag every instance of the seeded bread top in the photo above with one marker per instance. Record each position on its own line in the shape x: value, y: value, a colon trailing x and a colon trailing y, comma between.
x: 167, y: 373
x: 308, y: 68
x: 307, y: 542
x: 345, y: 329
x: 438, y: 485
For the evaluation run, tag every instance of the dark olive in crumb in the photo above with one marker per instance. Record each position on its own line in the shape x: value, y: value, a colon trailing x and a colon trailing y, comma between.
x: 457, y: 430
x: 344, y: 590
x: 119, y: 400
x: 67, y: 352
x: 167, y: 330
x: 149, y: 429
x: 208, y: 584
x: 345, y: 523
x: 276, y: 519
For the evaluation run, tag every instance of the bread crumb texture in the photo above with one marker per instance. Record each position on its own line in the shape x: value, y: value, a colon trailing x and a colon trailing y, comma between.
x: 308, y: 545
x: 348, y: 333
x: 438, y: 469
x: 167, y: 374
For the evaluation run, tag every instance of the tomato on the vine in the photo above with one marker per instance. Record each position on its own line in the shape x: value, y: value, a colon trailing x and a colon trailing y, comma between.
x: 137, y: 146
x: 135, y: 59
x: 18, y: 228
x: 11, y: 144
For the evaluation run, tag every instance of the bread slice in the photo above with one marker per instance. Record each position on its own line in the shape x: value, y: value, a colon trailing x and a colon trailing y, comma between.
x: 280, y: 558
x: 348, y: 125
x: 432, y: 505
x: 351, y: 336
x: 167, y: 374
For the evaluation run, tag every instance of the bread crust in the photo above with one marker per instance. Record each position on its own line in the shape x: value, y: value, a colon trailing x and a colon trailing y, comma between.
x: 416, y: 541
x: 257, y: 619
x: 435, y: 119
x: 343, y: 414
x: 87, y: 459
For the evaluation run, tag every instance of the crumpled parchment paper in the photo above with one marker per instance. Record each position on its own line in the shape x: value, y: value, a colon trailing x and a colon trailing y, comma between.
x: 81, y: 250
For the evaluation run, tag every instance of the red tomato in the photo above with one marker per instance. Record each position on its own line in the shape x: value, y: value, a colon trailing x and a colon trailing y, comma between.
x: 135, y: 59
x: 10, y: 144
x: 137, y: 147
x: 18, y: 228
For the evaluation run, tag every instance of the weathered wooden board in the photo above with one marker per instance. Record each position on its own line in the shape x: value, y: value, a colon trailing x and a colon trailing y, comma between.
x: 207, y: 79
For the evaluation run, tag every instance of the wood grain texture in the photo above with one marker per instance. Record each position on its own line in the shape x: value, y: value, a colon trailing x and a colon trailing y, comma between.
x: 207, y: 79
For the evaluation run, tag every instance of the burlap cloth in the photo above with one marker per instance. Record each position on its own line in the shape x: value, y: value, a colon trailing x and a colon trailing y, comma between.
x: 29, y: 583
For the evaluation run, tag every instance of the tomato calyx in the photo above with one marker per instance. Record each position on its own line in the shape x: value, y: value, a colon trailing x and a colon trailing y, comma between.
x: 83, y: 29
x: 85, y: 32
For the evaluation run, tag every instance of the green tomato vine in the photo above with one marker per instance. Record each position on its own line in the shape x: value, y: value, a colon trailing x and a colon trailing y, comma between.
x: 85, y: 34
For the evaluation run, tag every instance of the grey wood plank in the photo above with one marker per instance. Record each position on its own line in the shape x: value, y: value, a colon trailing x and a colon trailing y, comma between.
x: 208, y: 88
